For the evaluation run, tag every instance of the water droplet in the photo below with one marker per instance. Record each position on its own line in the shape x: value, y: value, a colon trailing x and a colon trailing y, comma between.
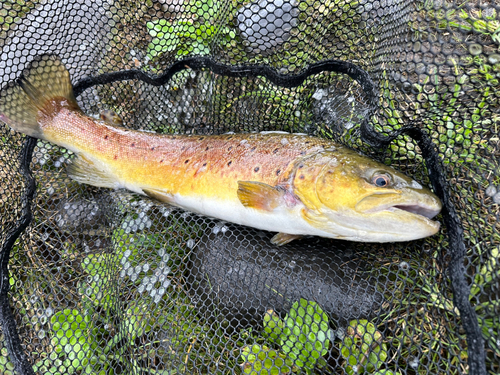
x: 494, y: 59
x: 404, y: 266
x: 41, y: 334
x: 496, y: 198
x: 190, y: 243
x: 49, y: 312
x: 157, y: 298
x: 491, y: 190
x: 145, y: 267
x: 413, y: 362
x: 475, y: 49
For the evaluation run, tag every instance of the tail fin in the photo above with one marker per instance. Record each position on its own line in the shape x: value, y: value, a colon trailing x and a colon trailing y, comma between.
x: 22, y: 102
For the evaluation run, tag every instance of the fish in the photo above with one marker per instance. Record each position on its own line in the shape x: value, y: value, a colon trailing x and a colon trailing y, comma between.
x: 293, y: 184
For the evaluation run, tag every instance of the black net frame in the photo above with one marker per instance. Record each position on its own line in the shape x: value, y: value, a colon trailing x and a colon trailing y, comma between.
x: 453, y: 255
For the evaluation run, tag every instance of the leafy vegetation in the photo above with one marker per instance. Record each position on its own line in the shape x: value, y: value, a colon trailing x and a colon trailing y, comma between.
x: 303, y: 338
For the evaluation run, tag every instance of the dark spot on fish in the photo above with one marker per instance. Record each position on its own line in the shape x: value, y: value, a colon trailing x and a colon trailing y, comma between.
x: 204, y: 164
x: 132, y: 145
x: 161, y: 161
x: 253, y: 148
x: 275, y: 150
x: 230, y: 148
x: 278, y: 172
x: 301, y: 166
x: 152, y: 148
x: 106, y: 136
x: 303, y: 153
x: 256, y: 169
x: 301, y: 177
x: 228, y: 164
x: 183, y: 148
x: 207, y: 148
x: 187, y: 161
x: 201, y: 138
x: 307, y: 142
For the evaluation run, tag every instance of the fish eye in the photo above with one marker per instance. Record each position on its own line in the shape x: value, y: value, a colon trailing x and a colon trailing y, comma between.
x: 381, y: 180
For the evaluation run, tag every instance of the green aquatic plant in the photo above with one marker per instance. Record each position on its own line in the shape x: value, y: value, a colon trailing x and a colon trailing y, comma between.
x: 185, y: 37
x: 363, y: 349
x: 303, y: 338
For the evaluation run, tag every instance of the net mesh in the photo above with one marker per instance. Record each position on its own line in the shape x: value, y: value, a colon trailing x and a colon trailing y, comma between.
x: 103, y: 281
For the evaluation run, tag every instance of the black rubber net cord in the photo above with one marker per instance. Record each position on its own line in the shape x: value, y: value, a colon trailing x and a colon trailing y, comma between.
x: 8, y: 324
x: 456, y: 269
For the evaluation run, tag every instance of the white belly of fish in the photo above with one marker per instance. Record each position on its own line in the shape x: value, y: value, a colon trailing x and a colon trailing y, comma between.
x: 281, y: 219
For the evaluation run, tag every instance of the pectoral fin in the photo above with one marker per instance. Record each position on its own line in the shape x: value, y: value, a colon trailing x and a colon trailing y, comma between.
x: 284, y: 238
x: 314, y: 218
x: 259, y: 195
x: 85, y: 171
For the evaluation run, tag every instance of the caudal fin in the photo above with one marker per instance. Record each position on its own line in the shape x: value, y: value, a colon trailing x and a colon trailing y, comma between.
x: 24, y: 102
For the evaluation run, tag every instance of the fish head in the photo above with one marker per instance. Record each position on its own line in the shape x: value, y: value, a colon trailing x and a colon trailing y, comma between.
x: 359, y: 199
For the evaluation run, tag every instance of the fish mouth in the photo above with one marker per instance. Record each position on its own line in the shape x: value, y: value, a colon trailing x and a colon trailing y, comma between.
x: 426, y: 205
x: 417, y: 209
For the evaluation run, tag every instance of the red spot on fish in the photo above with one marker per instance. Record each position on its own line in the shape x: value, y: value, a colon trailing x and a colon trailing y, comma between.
x: 116, y: 157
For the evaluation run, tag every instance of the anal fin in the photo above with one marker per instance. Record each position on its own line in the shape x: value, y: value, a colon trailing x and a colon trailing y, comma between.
x: 85, y: 171
x: 259, y: 195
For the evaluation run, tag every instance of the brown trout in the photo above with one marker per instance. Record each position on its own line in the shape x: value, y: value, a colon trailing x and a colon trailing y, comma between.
x: 287, y: 183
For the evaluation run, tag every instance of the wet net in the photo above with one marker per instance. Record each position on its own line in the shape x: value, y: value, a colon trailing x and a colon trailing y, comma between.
x: 106, y: 281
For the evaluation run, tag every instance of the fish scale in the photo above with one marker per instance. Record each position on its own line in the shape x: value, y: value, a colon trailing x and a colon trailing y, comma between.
x: 288, y: 183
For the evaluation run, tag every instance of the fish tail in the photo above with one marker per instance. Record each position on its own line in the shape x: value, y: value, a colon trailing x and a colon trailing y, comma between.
x: 31, y: 97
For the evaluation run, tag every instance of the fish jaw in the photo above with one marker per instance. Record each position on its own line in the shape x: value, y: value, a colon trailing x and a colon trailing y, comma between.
x: 391, y: 225
x: 394, y: 216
